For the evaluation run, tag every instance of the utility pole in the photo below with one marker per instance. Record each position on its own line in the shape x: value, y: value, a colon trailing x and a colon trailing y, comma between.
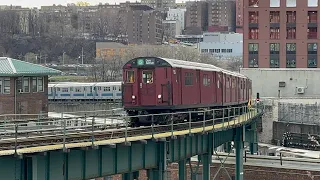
x: 82, y: 56
x: 63, y: 58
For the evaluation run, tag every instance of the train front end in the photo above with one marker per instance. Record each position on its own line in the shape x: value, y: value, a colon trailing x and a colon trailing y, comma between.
x: 146, y: 87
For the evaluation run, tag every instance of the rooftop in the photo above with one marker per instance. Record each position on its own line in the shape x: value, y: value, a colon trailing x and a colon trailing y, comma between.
x: 13, y: 67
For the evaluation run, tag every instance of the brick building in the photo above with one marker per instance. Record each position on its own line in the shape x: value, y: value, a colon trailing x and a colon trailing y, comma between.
x: 23, y: 87
x: 239, y: 16
x: 221, y: 16
x: 144, y: 25
x: 196, y: 17
x: 288, y: 38
x: 160, y: 4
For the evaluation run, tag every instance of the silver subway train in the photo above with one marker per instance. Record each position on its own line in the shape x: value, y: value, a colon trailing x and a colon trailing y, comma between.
x: 110, y: 91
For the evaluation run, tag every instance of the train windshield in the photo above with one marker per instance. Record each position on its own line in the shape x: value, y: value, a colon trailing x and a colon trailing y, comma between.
x: 147, y: 77
x: 130, y: 76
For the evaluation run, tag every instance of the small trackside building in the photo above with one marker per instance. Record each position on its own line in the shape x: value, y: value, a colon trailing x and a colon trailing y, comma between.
x: 23, y: 87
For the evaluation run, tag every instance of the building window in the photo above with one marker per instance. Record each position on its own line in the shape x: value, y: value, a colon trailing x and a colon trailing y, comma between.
x: 253, y: 48
x: 254, y: 17
x: 274, y: 3
x: 223, y: 50
x: 291, y: 3
x: 253, y: 62
x: 291, y: 16
x: 312, y: 32
x: 274, y: 48
x: 40, y: 84
x: 312, y: 16
x: 274, y: 62
x: 34, y: 85
x: 6, y: 86
x: 312, y: 61
x: 188, y: 79
x: 291, y: 61
x: 312, y: 3
x: 253, y: 33
x: 26, y: 85
x: 130, y: 77
x: 275, y: 33
x: 291, y: 33
x: 274, y: 16
x: 312, y: 48
x: 253, y: 3
x: 291, y: 48
x: 229, y: 50
x: 206, y: 80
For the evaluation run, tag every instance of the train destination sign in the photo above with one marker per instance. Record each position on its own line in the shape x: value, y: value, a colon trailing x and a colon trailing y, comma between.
x: 149, y: 61
x: 142, y: 62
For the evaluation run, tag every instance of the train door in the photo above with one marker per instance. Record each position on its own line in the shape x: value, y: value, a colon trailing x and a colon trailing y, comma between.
x: 178, y: 89
x: 219, y: 91
x: 130, y: 80
x: 147, y: 87
x: 164, y: 96
x: 198, y: 86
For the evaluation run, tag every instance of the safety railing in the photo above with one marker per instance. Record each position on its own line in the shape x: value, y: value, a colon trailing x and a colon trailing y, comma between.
x: 189, y: 122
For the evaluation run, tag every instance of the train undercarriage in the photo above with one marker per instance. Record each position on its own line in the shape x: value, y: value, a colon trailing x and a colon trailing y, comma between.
x: 168, y: 116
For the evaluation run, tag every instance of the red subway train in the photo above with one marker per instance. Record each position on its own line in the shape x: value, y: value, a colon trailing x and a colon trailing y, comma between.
x: 154, y: 85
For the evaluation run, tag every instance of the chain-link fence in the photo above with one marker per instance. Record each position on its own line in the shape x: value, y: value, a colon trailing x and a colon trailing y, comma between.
x: 299, y: 113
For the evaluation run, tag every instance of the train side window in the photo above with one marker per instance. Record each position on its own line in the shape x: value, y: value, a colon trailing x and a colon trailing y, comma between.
x: 206, y: 80
x: 228, y: 83
x: 130, y: 77
x: 65, y: 90
x: 188, y: 79
x: 147, y: 77
x: 114, y: 88
x: 78, y: 89
x: 119, y: 88
x: 105, y: 89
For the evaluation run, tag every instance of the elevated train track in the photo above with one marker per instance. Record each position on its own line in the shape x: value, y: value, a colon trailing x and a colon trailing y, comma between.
x: 20, y: 140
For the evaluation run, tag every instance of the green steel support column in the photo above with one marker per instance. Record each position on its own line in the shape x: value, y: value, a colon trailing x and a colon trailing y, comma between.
x: 153, y: 174
x: 127, y: 176
x: 182, y: 170
x: 162, y: 160
x: 239, y: 153
x: 38, y: 168
x: 254, y: 144
x: 206, y: 160
x: 135, y: 175
x: 227, y: 147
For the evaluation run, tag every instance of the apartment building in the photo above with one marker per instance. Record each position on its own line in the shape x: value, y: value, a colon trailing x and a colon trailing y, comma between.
x: 196, y: 17
x: 144, y: 25
x: 221, y: 15
x: 288, y: 38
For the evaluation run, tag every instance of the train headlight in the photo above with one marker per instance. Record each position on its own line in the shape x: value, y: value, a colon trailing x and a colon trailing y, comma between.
x: 159, y: 96
x: 133, y: 97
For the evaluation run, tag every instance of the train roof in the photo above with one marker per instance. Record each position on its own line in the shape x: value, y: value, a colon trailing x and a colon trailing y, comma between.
x: 108, y: 83
x: 167, y: 62
x: 77, y: 84
x: 190, y: 65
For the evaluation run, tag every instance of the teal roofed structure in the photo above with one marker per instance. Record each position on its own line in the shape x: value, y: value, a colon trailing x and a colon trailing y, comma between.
x: 13, y: 67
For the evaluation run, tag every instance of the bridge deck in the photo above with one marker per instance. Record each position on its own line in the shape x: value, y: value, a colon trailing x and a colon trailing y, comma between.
x: 242, y: 119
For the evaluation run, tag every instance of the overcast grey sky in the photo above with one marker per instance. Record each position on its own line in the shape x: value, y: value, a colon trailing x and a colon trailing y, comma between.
x: 38, y: 3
